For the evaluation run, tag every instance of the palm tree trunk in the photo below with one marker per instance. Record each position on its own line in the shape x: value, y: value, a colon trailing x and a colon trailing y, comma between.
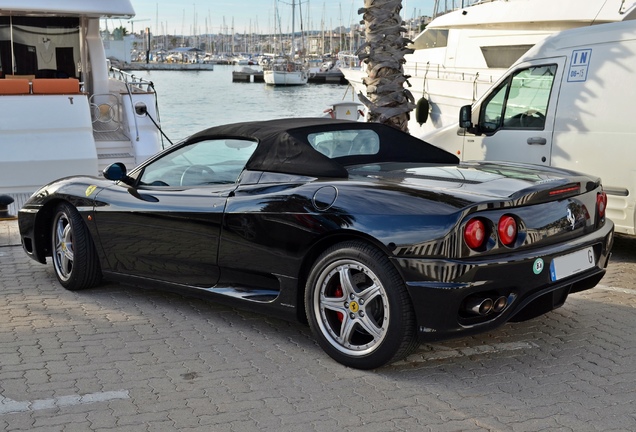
x: 383, y: 52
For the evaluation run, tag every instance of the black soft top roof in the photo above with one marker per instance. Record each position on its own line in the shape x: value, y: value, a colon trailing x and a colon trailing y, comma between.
x: 283, y: 146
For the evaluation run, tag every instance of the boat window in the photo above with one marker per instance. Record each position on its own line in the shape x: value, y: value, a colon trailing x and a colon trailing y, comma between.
x: 47, y: 47
x: 503, y: 56
x: 345, y: 142
x: 431, y: 38
x: 208, y: 162
x: 521, y: 102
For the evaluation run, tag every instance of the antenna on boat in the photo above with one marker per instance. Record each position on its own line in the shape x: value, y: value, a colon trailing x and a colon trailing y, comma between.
x: 142, y: 109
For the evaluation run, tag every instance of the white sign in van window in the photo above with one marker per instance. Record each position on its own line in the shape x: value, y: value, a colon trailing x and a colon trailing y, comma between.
x: 579, y: 65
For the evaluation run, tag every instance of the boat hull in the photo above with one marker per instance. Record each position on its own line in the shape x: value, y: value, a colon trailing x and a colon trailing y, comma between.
x: 272, y: 77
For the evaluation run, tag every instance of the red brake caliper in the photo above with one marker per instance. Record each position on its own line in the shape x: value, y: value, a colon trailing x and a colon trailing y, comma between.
x: 339, y: 293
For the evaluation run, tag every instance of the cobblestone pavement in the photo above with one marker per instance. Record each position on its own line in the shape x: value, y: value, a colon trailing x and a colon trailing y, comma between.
x: 120, y: 359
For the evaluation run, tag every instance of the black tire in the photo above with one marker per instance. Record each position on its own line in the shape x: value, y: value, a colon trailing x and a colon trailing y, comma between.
x: 73, y: 251
x: 367, y: 321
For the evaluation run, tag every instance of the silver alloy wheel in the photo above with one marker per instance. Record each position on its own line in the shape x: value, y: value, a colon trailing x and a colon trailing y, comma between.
x: 63, y: 254
x: 353, y: 307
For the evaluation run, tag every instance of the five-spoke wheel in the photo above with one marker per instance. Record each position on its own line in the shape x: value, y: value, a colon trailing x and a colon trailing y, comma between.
x: 358, y: 307
x: 74, y: 257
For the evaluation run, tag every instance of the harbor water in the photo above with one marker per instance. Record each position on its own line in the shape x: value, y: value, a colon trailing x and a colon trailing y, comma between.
x: 190, y: 101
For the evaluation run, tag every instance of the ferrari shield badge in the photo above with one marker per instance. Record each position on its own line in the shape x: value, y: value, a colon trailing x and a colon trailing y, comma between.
x: 90, y: 190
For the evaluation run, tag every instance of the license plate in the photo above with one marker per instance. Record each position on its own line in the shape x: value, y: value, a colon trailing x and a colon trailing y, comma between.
x: 573, y: 263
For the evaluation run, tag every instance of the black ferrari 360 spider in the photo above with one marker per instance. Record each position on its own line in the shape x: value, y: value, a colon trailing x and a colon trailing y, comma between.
x: 379, y: 240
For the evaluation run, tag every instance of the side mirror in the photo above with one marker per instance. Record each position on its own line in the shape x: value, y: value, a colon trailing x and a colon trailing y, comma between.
x: 465, y: 117
x: 116, y: 172
x: 466, y: 120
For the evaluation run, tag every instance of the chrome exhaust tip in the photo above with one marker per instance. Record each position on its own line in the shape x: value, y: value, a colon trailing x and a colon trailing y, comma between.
x: 500, y: 304
x: 479, y: 306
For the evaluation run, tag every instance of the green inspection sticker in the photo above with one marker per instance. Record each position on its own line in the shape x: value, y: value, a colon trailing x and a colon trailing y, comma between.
x: 538, y: 266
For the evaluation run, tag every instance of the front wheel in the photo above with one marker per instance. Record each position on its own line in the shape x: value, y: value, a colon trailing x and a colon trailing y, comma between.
x: 74, y: 256
x: 358, y: 307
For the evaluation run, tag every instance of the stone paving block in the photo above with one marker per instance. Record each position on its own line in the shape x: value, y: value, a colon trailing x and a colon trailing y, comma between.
x: 183, y: 418
x: 219, y: 419
x: 59, y: 428
x: 138, y: 427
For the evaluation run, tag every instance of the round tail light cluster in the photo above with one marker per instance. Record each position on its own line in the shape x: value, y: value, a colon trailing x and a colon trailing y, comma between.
x: 507, y: 229
x: 476, y: 232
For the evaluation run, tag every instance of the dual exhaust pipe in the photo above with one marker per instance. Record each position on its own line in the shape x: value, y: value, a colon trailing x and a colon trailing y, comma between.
x: 483, y: 306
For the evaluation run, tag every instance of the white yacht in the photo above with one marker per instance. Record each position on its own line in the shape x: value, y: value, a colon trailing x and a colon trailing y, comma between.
x: 462, y: 53
x: 63, y: 111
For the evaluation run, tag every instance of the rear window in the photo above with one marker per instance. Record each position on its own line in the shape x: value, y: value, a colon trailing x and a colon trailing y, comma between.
x: 355, y: 142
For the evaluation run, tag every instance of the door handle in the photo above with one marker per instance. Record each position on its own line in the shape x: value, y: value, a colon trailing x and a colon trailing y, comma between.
x: 537, y: 141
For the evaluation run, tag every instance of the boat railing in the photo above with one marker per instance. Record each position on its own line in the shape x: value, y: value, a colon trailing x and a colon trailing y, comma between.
x: 348, y: 60
x: 439, y: 71
x: 133, y: 85
x: 106, y: 113
x: 427, y: 70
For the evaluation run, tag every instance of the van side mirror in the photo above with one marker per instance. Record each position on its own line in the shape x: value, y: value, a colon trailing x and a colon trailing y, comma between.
x: 466, y: 120
x: 465, y: 117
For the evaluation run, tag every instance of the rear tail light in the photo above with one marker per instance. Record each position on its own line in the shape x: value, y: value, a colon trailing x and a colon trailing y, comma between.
x: 475, y: 234
x: 601, y: 204
x: 507, y: 230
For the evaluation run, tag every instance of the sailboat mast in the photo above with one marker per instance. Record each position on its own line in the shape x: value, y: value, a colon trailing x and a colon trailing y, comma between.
x: 293, y: 42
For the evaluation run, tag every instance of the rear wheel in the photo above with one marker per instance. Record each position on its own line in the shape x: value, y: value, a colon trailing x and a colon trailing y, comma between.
x: 358, y: 307
x: 74, y: 256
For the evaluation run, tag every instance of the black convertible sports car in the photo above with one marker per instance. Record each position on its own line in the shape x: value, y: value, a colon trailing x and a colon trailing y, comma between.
x: 379, y: 240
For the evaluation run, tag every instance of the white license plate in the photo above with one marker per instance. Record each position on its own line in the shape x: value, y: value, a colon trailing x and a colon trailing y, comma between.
x: 573, y: 263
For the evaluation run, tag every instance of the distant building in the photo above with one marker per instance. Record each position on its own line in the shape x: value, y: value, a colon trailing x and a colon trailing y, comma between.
x: 120, y: 50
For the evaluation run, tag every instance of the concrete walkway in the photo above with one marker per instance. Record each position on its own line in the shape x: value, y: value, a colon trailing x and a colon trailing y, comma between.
x: 9, y: 233
x: 117, y: 358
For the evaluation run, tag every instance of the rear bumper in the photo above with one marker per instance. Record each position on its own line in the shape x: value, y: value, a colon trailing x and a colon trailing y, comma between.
x: 440, y: 288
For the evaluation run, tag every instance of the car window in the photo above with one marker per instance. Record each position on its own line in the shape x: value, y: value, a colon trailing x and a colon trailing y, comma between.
x: 345, y: 142
x: 202, y: 163
x: 521, y: 102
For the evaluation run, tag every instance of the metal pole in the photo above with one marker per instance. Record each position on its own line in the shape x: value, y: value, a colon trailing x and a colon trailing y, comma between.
x: 13, y: 71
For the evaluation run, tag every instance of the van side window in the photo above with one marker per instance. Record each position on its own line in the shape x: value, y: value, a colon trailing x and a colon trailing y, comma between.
x: 520, y: 102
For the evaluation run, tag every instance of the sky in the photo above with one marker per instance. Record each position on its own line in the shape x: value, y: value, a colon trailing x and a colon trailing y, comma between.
x: 182, y: 17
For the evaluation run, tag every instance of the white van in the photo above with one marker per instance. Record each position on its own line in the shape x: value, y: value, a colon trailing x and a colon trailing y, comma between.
x: 569, y: 102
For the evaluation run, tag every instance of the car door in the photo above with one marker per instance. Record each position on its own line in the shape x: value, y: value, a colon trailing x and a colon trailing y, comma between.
x: 166, y: 225
x: 516, y: 119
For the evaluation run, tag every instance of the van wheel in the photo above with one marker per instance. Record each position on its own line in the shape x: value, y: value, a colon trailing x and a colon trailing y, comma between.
x: 358, y: 307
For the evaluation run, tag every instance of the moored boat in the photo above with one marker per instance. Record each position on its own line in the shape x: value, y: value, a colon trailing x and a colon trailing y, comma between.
x: 285, y: 71
x: 63, y: 112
